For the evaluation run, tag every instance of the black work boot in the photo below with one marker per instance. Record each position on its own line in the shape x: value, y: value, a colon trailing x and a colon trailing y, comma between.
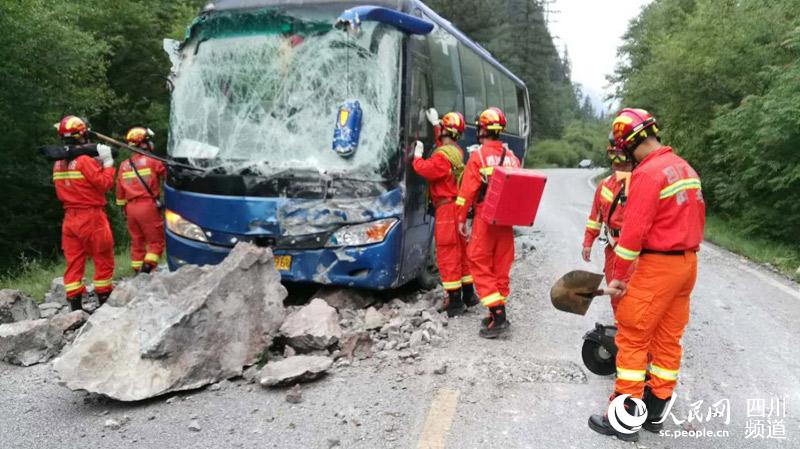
x: 655, y: 411
x: 498, y: 325
x: 146, y: 268
x: 102, y: 298
x: 455, y: 306
x: 601, y: 424
x: 468, y: 295
x: 75, y: 303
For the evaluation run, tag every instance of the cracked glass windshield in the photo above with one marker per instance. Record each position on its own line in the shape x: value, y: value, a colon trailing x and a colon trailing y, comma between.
x: 260, y: 91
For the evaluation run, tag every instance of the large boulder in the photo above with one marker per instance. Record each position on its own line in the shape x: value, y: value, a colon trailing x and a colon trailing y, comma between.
x: 315, y: 326
x: 180, y: 330
x: 345, y: 298
x: 29, y: 342
x: 299, y: 368
x: 16, y: 306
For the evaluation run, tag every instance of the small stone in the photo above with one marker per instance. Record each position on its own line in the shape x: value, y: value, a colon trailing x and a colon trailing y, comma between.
x: 295, y: 395
x: 416, y: 339
x: 374, y: 319
x: 334, y: 442
x: 419, y: 371
x: 151, y: 417
x: 214, y: 387
x: 289, y: 351
x: 194, y: 426
x: 441, y: 369
x: 112, y: 424
x: 170, y: 400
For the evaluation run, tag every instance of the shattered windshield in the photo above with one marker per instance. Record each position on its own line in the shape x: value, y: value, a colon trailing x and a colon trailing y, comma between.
x: 260, y: 91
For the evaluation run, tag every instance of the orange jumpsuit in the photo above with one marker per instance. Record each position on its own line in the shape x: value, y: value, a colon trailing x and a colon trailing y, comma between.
x: 604, y: 196
x: 664, y: 219
x: 144, y: 221
x: 451, y: 247
x: 80, y: 186
x: 491, y: 248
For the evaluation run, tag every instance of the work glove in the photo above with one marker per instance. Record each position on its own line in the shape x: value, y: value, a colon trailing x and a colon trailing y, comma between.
x: 473, y: 148
x: 104, y: 155
x: 433, y: 116
x: 419, y: 148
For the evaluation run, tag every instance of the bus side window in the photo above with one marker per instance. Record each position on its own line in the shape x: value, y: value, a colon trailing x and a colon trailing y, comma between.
x: 472, y: 75
x: 421, y: 103
x: 492, y: 79
x: 446, y: 72
x: 510, y: 106
x: 524, y: 112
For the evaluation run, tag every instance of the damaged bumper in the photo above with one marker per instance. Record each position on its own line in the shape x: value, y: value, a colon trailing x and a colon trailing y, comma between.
x: 369, y: 266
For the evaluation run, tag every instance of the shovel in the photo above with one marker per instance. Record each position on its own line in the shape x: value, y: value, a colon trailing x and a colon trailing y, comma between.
x: 166, y: 161
x: 573, y: 293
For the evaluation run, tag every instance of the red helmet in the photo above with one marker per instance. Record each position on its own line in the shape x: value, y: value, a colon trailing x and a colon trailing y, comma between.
x: 631, y: 127
x: 453, y: 123
x: 71, y: 126
x: 139, y: 135
x: 492, y: 119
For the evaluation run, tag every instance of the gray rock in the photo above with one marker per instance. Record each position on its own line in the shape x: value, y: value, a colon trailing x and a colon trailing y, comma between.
x: 172, y: 339
x: 300, y: 368
x: 112, y: 424
x: 295, y: 395
x: 416, y: 339
x: 57, y: 293
x: 251, y: 374
x: 315, y: 326
x: 441, y: 369
x: 29, y: 342
x: 70, y: 321
x: 194, y: 426
x: 49, y: 309
x: 342, y: 298
x: 16, y: 306
x: 373, y: 319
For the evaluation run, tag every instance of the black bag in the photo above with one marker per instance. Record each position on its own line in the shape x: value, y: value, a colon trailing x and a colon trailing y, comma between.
x: 159, y: 204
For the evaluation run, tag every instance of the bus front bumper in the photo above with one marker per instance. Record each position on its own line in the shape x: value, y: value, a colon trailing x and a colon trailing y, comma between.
x: 374, y: 266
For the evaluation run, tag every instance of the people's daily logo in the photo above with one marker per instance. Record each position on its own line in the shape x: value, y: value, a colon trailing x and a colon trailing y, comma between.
x: 621, y: 420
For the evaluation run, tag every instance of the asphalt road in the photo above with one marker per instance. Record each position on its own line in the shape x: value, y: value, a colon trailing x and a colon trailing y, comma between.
x: 742, y: 352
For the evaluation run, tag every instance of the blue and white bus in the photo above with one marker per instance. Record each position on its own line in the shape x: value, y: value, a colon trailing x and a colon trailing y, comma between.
x: 258, y: 87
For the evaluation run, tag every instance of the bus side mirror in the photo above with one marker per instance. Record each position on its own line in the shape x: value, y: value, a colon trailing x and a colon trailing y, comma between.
x: 347, y: 130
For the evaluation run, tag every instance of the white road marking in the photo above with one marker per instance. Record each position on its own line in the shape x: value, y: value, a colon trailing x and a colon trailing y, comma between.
x: 440, y: 419
x: 744, y: 267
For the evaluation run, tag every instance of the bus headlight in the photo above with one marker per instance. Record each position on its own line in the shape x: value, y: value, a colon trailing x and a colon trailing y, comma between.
x: 362, y: 234
x: 183, y: 227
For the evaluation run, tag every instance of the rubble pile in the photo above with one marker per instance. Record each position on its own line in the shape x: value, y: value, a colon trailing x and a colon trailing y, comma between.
x: 198, y: 326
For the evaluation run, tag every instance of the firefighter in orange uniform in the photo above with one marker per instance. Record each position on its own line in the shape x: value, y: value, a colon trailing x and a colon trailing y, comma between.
x: 80, y: 185
x: 138, y: 189
x: 607, y: 208
x: 491, y: 248
x: 443, y: 170
x: 664, y: 219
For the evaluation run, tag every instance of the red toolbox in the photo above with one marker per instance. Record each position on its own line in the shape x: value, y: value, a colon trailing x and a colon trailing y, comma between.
x: 513, y: 196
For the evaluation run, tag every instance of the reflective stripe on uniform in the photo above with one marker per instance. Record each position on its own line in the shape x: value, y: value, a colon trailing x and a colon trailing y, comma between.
x: 680, y: 186
x: 102, y: 282
x: 625, y: 253
x: 492, y: 299
x: 467, y: 279
x: 130, y: 174
x: 591, y: 224
x: 663, y: 373
x: 633, y: 375
x: 607, y: 194
x: 460, y: 201
x: 151, y: 257
x: 455, y: 285
x: 73, y: 286
x: 122, y: 202
x: 137, y: 263
x: 63, y: 175
x: 486, y: 170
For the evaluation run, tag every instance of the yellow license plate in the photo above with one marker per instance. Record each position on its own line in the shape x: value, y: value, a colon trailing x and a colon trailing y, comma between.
x: 283, y: 263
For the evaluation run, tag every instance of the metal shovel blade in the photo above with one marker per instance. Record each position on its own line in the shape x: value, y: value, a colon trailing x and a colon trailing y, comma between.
x: 573, y: 293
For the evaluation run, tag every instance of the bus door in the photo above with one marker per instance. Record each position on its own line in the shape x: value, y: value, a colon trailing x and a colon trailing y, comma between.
x: 418, y: 96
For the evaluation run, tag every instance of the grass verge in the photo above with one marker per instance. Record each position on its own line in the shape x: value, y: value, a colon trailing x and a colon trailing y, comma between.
x: 35, y: 276
x: 785, y: 258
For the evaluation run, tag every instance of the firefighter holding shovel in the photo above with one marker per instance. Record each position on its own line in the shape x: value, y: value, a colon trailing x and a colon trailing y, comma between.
x: 664, y: 219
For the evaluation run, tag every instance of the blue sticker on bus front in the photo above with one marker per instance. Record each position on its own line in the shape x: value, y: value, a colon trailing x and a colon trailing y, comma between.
x: 348, y: 129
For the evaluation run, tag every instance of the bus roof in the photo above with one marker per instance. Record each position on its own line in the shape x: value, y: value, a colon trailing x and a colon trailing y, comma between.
x: 407, y: 6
